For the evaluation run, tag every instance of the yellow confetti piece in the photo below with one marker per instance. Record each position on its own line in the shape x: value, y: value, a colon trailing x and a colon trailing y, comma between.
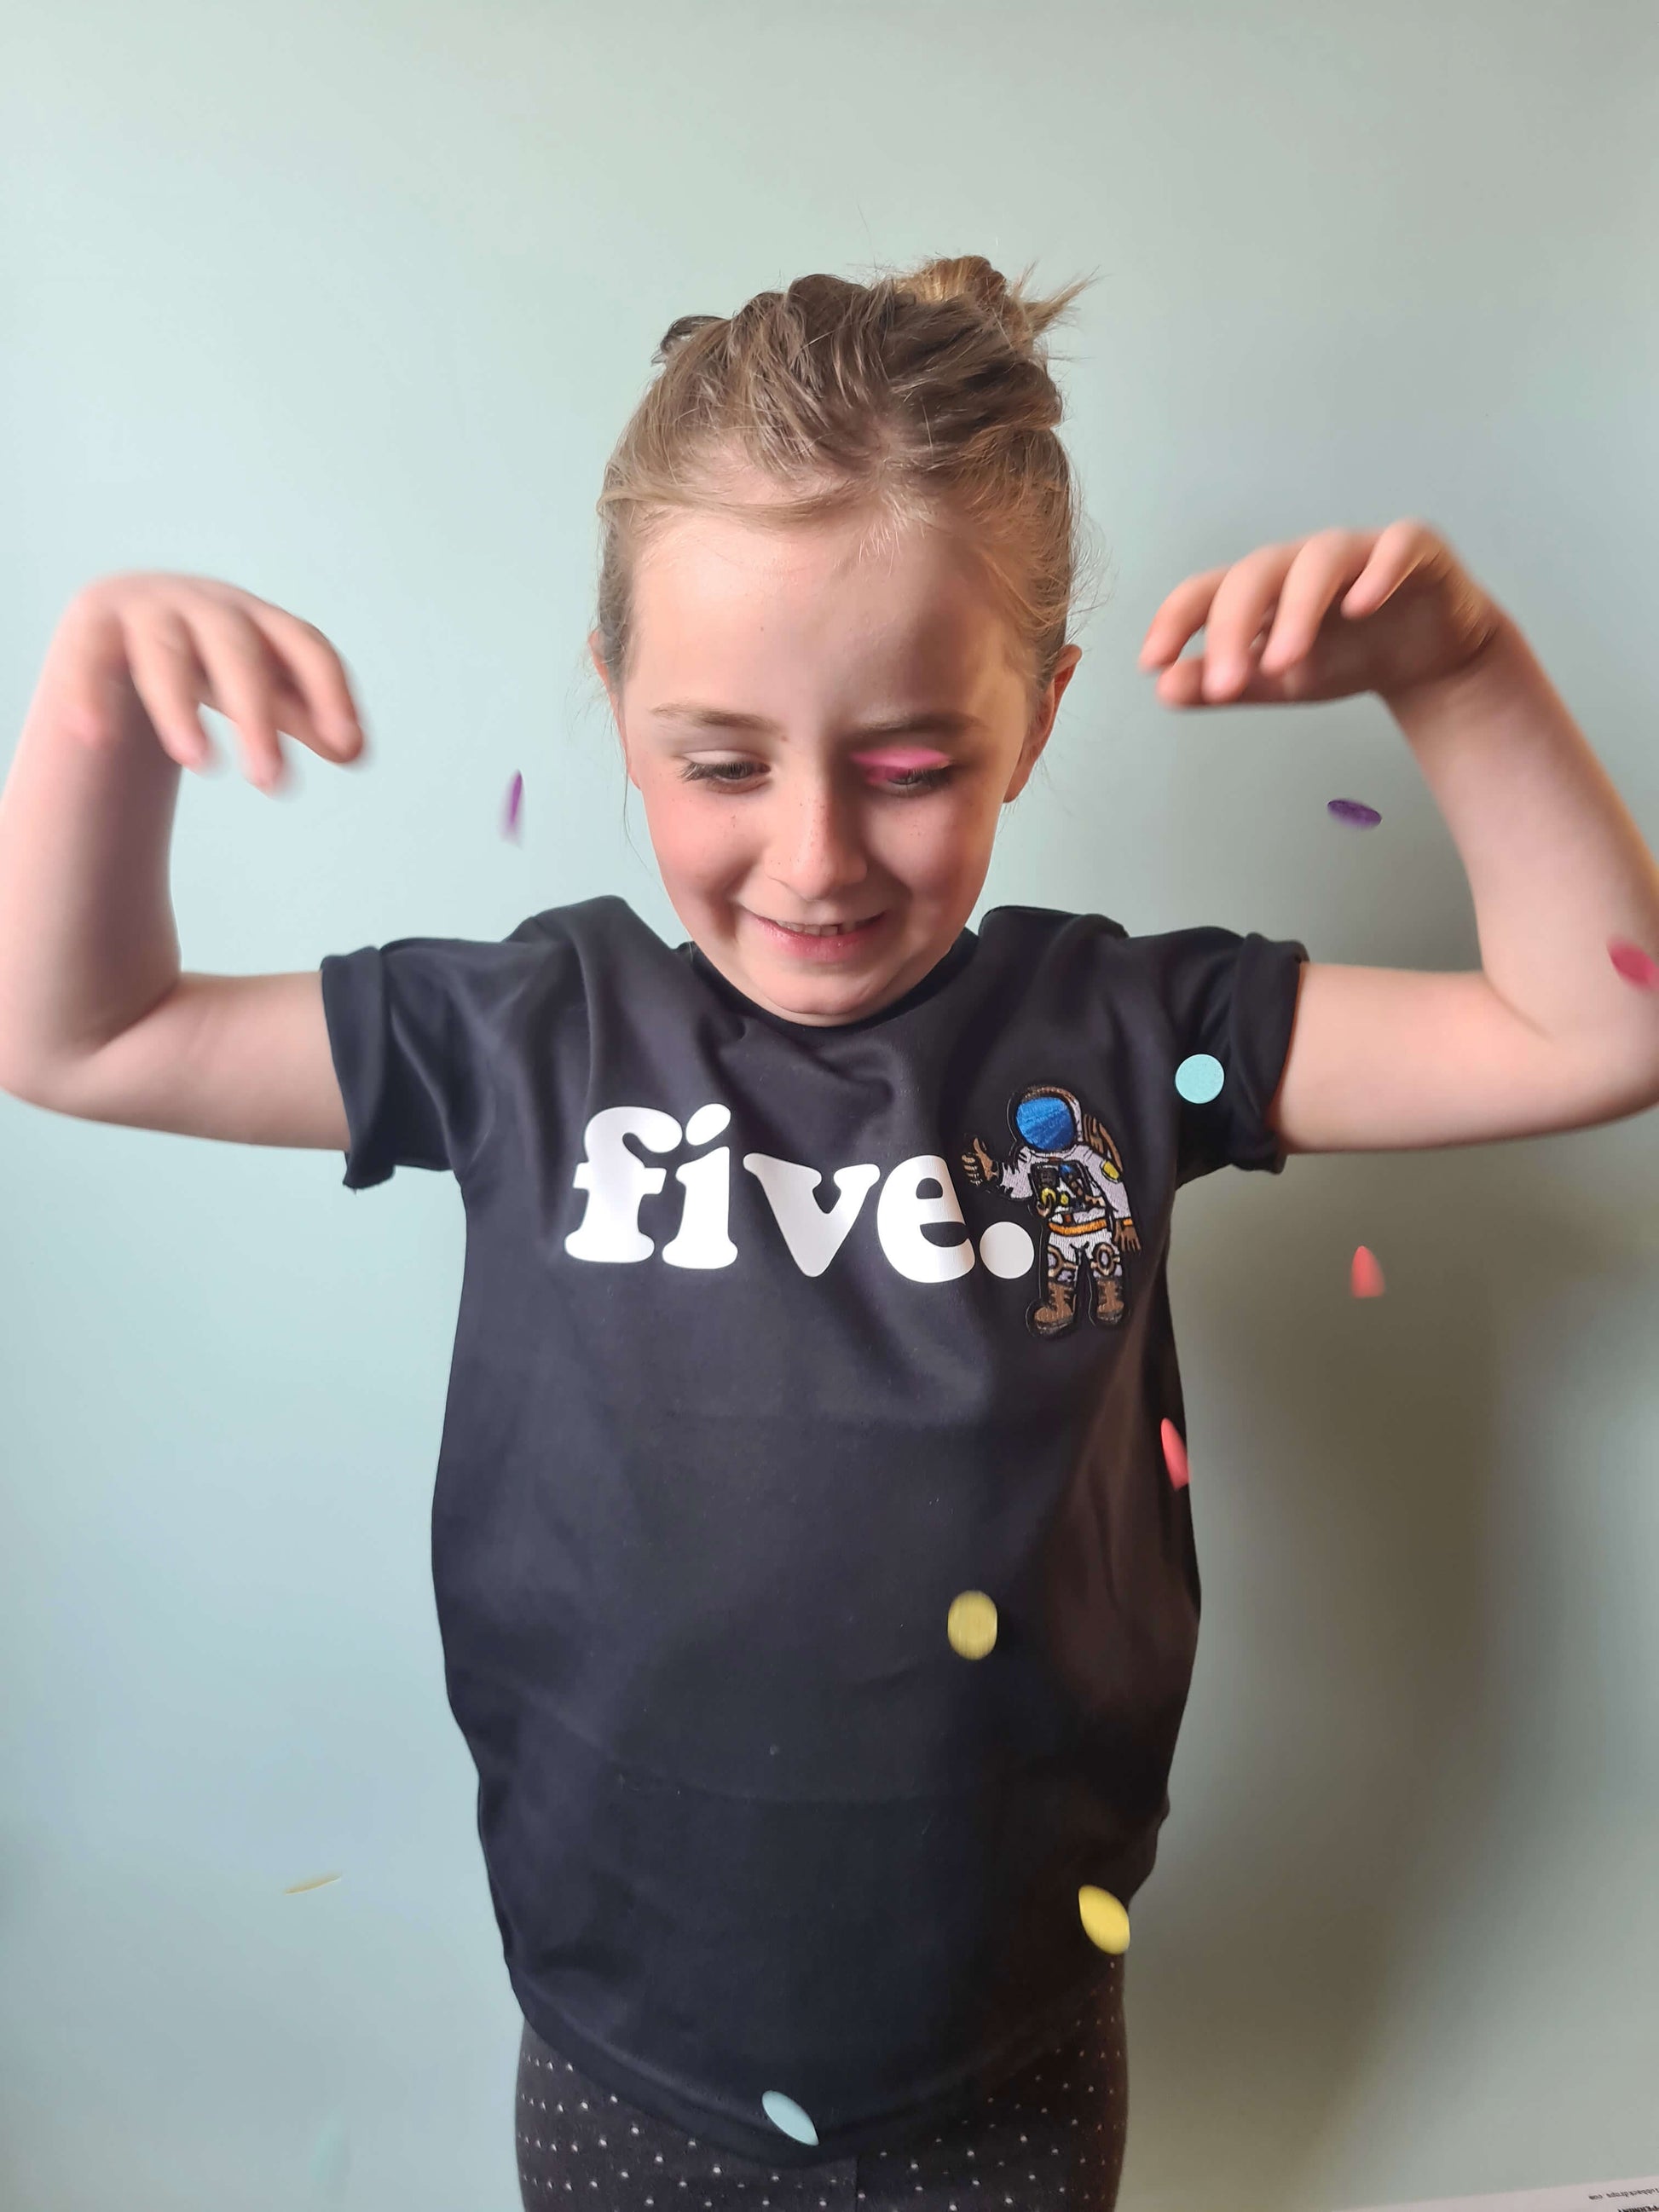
x: 971, y: 1624
x: 1105, y: 1923
x: 317, y: 1881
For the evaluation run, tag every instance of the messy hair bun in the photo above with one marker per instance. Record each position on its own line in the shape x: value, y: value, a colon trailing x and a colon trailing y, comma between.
x: 924, y: 395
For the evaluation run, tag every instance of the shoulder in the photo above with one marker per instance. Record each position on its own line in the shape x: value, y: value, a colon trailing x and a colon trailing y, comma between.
x: 1044, y: 926
x: 1051, y: 932
x: 605, y: 923
x: 548, y: 955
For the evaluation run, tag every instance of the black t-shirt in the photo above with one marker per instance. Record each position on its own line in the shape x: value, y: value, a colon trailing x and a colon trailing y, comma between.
x: 773, y: 1340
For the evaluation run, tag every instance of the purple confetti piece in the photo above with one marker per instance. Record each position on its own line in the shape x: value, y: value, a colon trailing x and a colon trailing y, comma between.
x: 514, y: 801
x: 1353, y: 811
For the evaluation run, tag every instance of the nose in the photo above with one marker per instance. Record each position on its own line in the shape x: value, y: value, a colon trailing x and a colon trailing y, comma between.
x: 816, y: 848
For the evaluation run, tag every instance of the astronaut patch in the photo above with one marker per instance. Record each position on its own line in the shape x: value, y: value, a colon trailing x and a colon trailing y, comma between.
x: 1065, y: 1167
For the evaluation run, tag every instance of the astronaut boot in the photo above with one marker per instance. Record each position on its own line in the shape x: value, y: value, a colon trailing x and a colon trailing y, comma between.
x: 1109, y: 1295
x: 1058, y: 1311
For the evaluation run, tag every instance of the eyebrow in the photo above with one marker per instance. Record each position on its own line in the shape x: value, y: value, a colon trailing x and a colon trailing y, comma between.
x: 951, y: 721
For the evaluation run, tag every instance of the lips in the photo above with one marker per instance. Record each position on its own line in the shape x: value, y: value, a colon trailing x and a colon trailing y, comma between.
x: 820, y: 940
x: 822, y: 929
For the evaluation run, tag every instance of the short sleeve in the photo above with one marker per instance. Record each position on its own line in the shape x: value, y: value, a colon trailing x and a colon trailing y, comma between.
x: 417, y: 1031
x: 1231, y: 999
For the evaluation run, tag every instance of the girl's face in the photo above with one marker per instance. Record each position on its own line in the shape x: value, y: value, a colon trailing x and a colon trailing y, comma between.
x: 823, y: 746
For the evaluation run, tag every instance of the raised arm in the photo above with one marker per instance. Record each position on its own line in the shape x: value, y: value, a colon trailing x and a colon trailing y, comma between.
x: 1548, y: 1033
x: 97, y: 1019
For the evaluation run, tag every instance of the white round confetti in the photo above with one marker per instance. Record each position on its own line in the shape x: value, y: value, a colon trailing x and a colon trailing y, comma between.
x: 1198, y: 1078
x: 1007, y: 1250
x: 708, y: 1121
x: 786, y: 2115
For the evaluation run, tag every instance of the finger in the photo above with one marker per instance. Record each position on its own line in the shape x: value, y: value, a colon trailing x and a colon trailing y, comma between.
x: 1181, y: 615
x: 169, y: 680
x: 1403, y: 546
x: 1236, y: 614
x: 314, y: 671
x: 1183, y: 685
x: 241, y: 667
x: 1325, y: 563
x: 294, y: 719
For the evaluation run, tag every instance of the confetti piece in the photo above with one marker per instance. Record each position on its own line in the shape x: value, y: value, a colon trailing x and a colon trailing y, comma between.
x: 1354, y: 811
x: 1198, y: 1078
x: 788, y: 2116
x: 317, y: 1881
x: 1105, y: 1923
x: 1633, y: 964
x: 971, y: 1624
x: 514, y: 802
x: 1007, y: 1250
x: 330, y: 2164
x: 1365, y: 1277
x: 1175, y: 1455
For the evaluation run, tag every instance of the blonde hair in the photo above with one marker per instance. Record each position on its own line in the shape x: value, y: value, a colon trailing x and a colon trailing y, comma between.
x: 924, y: 397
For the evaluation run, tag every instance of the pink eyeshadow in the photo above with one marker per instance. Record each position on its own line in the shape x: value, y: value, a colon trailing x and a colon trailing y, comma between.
x: 901, y: 760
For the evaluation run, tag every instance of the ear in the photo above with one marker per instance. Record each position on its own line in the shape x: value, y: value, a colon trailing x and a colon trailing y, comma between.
x: 1042, y: 722
x: 604, y: 674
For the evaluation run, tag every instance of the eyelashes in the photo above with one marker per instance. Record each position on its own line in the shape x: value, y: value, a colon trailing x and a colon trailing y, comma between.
x: 739, y: 775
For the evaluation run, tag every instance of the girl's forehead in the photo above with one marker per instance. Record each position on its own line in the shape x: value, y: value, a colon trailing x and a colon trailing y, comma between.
x: 714, y: 573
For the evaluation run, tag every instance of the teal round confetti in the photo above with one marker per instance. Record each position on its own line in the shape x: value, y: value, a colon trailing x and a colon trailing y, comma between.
x: 331, y: 2165
x: 786, y: 2116
x: 1198, y: 1078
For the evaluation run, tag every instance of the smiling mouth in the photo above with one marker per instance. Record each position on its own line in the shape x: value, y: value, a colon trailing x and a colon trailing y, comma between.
x: 822, y: 929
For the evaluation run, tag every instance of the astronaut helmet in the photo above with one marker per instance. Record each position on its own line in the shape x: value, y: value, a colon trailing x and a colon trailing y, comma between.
x: 1049, y: 1119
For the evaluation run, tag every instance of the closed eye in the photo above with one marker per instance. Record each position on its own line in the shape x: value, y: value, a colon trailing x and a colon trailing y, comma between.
x: 736, y: 775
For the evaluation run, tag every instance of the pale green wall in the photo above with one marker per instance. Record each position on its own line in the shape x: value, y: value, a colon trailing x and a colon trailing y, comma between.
x: 347, y: 303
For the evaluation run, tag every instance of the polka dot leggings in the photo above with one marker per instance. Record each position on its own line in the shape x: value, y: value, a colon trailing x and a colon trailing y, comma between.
x: 1050, y: 2139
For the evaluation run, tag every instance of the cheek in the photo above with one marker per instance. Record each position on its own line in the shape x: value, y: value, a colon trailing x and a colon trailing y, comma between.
x: 698, y: 841
x: 942, y: 846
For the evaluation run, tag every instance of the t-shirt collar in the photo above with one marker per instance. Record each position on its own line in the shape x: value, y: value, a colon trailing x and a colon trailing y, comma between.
x: 943, y: 971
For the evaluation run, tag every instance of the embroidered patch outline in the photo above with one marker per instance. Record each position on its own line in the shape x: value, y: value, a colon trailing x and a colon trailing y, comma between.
x: 1065, y: 1167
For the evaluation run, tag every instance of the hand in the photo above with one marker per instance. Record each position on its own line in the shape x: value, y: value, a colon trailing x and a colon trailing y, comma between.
x: 1128, y: 1237
x: 1276, y: 631
x: 171, y: 644
x: 977, y: 1164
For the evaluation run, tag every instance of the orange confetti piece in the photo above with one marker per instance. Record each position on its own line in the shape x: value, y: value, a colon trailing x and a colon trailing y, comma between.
x: 1365, y: 1278
x: 1175, y: 1455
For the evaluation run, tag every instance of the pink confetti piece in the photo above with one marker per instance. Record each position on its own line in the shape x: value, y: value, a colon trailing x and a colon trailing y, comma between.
x: 1366, y: 1276
x: 514, y: 802
x: 1175, y: 1455
x: 1354, y: 811
x: 1633, y: 964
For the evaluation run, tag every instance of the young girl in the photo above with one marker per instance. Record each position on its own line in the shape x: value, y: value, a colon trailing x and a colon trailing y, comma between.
x: 812, y: 1550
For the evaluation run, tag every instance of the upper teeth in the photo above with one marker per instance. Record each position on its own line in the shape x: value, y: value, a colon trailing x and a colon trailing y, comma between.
x: 820, y: 928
